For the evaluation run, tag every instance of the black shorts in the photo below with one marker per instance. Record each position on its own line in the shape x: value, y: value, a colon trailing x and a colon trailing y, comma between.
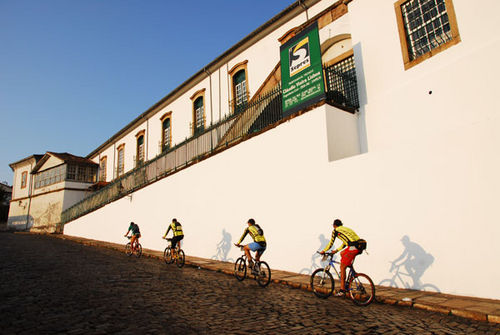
x: 175, y: 239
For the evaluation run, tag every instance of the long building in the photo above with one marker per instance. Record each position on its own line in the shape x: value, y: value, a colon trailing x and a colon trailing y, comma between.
x: 380, y: 113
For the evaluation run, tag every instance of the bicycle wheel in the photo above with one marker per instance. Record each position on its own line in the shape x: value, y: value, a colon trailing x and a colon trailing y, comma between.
x: 361, y: 289
x: 263, y: 276
x: 138, y: 250
x: 322, y: 283
x: 181, y: 258
x: 128, y: 249
x: 240, y: 269
x: 167, y: 255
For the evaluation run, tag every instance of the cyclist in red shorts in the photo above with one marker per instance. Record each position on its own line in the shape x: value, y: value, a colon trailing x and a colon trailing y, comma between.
x: 349, y: 239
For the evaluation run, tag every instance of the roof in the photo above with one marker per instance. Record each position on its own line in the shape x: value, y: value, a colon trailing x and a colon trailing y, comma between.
x: 294, y: 9
x: 34, y: 157
x: 65, y: 157
x: 6, y: 187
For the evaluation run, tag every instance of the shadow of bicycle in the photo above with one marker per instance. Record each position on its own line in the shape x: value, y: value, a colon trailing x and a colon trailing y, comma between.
x: 223, y: 247
x: 415, y: 261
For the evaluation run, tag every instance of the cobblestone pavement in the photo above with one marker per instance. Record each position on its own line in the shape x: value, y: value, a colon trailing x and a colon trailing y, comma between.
x: 51, y: 286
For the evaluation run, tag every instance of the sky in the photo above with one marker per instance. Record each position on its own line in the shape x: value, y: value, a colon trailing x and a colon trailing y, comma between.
x: 73, y: 73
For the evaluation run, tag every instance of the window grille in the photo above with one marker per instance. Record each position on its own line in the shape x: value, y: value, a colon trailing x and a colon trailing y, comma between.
x: 342, y: 87
x: 166, y: 134
x: 426, y: 24
x: 140, y: 149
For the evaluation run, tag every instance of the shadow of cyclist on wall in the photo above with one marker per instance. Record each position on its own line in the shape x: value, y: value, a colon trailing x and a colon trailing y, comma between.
x: 415, y: 261
x: 223, y: 247
x: 315, y: 257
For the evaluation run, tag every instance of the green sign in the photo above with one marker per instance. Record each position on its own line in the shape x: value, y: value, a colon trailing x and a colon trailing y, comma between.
x: 302, y: 71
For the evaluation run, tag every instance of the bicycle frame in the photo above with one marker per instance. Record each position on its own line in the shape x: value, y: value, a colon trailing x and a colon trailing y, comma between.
x: 331, y: 264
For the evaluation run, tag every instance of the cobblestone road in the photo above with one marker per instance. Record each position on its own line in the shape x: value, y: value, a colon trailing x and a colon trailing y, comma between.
x: 50, y: 286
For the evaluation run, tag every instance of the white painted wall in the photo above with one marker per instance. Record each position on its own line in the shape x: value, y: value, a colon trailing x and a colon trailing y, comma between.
x: 288, y: 185
x: 429, y: 169
x: 262, y: 57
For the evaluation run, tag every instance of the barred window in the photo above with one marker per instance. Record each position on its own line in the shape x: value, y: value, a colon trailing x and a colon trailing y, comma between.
x: 140, y: 148
x: 199, y: 115
x: 341, y: 83
x: 240, y: 87
x: 121, y: 161
x: 425, y: 27
x: 166, y: 134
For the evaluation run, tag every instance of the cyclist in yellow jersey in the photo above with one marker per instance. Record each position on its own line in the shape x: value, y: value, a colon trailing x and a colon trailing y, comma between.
x: 259, y: 241
x: 177, y: 231
x: 348, y: 238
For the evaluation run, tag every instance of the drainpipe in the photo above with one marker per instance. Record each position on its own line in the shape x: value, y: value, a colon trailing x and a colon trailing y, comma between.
x: 211, y: 102
x: 303, y: 5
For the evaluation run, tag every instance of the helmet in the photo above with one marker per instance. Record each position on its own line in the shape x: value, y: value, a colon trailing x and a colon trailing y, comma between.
x: 251, y: 221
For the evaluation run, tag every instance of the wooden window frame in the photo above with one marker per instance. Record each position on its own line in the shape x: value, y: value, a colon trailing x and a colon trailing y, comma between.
x: 24, y: 179
x: 121, y: 147
x: 234, y: 70
x: 165, y: 116
x: 103, y: 175
x: 141, y: 133
x: 194, y: 97
x: 455, y: 35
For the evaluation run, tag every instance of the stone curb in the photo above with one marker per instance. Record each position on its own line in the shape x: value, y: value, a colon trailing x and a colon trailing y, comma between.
x: 391, y: 299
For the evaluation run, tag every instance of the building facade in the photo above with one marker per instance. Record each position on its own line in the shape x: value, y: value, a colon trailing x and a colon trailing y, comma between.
x: 408, y: 161
x: 44, y: 186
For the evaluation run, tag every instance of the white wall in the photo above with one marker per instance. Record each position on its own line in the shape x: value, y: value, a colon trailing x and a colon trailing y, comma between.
x: 429, y: 171
x: 288, y: 185
x: 262, y: 57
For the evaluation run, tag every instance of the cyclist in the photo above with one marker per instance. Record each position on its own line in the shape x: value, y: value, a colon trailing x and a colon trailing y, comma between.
x: 136, y: 234
x: 259, y: 242
x: 348, y: 238
x: 178, y: 234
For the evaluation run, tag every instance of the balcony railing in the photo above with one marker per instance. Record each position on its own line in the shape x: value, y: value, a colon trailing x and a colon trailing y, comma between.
x: 258, y: 115
x: 264, y: 112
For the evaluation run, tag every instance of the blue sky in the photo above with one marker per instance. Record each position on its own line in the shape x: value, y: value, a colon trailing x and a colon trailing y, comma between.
x: 73, y: 73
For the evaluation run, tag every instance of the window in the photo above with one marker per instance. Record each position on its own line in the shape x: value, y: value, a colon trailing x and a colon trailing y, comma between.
x: 81, y: 173
x: 53, y: 176
x: 166, y: 132
x: 239, y: 86
x: 24, y: 179
x: 102, y: 168
x: 341, y: 82
x: 426, y: 27
x: 139, y: 154
x: 121, y: 160
x: 198, y: 124
x: 71, y: 174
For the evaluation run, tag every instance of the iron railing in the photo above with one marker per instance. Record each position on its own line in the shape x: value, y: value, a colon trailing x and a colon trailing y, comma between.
x: 261, y: 113
x: 257, y: 115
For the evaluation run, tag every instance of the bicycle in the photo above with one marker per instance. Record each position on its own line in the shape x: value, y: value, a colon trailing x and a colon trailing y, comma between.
x: 261, y: 270
x: 359, y: 286
x: 137, y: 250
x: 178, y: 255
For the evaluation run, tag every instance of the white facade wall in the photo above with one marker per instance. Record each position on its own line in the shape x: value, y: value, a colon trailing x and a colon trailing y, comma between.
x: 262, y: 57
x: 428, y: 174
x: 17, y: 191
